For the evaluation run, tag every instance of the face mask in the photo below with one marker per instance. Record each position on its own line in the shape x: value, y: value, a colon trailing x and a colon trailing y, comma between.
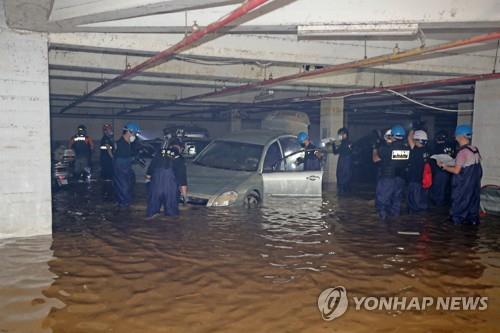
x: 132, y: 139
x: 109, y: 134
x: 340, y: 137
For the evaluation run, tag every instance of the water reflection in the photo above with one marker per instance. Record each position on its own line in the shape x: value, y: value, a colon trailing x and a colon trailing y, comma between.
x: 24, y: 275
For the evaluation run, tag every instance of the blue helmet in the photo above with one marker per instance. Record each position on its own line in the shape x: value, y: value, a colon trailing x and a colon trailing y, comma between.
x: 464, y: 130
x: 302, y: 136
x: 398, y: 132
x: 132, y: 128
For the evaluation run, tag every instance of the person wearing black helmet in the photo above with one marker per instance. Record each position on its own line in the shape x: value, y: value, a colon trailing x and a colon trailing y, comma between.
x: 344, y: 164
x: 83, y: 145
x: 107, y: 148
x: 167, y: 173
x: 440, y: 190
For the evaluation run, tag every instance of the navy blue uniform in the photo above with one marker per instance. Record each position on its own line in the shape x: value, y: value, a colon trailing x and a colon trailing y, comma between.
x: 311, y: 162
x: 394, y: 158
x: 82, y: 145
x: 466, y: 187
x: 123, y: 177
x: 441, y: 179
x: 417, y: 195
x: 105, y: 158
x: 168, y: 173
x: 344, y: 165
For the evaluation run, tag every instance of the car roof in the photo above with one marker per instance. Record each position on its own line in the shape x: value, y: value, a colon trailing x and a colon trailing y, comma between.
x: 258, y: 137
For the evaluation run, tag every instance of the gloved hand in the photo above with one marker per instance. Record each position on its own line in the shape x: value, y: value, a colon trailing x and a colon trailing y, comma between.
x: 299, y: 160
x: 183, y: 199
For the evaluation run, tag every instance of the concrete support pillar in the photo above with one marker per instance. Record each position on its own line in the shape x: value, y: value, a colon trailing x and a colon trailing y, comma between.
x: 430, y: 123
x: 332, y: 118
x: 464, y: 117
x: 486, y: 126
x: 25, y: 191
x: 235, y: 121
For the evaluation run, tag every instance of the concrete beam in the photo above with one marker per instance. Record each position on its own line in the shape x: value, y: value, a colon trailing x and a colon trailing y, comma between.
x: 304, y: 12
x: 286, y: 49
x: 101, y: 66
x: 80, y: 12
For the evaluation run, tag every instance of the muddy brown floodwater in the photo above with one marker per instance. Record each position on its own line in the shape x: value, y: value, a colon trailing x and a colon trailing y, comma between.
x: 238, y: 270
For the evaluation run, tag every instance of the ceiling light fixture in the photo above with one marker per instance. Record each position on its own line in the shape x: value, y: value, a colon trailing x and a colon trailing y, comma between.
x: 358, y: 30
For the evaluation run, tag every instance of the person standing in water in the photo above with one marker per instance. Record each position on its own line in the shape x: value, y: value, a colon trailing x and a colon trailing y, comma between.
x: 122, y: 165
x: 466, y: 180
x: 344, y: 164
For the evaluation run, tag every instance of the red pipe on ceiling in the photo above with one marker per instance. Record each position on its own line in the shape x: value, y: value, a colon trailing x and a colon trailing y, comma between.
x: 378, y: 60
x: 163, y: 56
x: 407, y: 86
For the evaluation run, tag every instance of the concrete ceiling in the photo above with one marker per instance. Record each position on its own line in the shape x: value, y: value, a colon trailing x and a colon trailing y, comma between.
x: 93, y: 41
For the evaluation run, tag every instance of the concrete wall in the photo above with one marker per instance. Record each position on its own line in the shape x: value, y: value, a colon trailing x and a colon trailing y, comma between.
x: 487, y: 128
x: 25, y: 193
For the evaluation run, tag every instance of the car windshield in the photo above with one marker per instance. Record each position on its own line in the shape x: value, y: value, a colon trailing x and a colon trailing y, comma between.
x: 231, y: 155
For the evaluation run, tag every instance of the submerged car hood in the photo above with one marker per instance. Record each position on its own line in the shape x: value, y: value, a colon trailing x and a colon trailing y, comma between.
x: 211, y: 181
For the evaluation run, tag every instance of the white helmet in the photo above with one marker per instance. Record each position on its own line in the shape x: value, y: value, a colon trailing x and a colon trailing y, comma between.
x: 420, y: 135
x: 388, y: 134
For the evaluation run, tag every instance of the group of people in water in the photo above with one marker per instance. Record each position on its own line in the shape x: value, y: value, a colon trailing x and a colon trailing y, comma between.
x: 443, y: 173
x: 402, y: 159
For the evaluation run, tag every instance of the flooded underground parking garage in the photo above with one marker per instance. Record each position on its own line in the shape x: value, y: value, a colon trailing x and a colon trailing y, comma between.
x: 249, y: 166
x: 236, y: 269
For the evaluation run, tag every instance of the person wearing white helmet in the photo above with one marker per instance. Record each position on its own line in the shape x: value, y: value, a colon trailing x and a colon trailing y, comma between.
x: 419, y: 172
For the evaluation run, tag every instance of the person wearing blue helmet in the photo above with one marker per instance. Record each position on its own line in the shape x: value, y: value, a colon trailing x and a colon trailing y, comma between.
x: 312, y: 156
x: 123, y: 178
x: 392, y: 158
x: 466, y: 179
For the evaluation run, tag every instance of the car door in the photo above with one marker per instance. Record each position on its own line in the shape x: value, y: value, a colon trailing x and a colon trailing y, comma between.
x: 287, y: 177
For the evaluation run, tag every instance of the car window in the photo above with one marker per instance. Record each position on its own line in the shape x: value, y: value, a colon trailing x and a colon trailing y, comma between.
x: 291, y: 152
x: 192, y: 148
x: 231, y: 155
x: 273, y: 155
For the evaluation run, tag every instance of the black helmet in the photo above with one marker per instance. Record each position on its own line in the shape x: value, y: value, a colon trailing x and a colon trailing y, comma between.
x: 343, y: 130
x: 82, y: 129
x: 176, y: 142
x: 441, y: 136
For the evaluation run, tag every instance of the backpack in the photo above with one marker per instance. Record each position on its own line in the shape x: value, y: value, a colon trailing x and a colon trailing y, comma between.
x: 427, y: 176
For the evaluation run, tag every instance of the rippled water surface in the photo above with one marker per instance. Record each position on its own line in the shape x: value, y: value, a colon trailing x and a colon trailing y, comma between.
x: 238, y: 270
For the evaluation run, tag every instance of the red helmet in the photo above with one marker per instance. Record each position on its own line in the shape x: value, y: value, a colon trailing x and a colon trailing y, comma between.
x: 107, y: 127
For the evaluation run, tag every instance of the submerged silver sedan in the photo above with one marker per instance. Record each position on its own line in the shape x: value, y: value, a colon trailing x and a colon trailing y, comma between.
x: 248, y: 167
